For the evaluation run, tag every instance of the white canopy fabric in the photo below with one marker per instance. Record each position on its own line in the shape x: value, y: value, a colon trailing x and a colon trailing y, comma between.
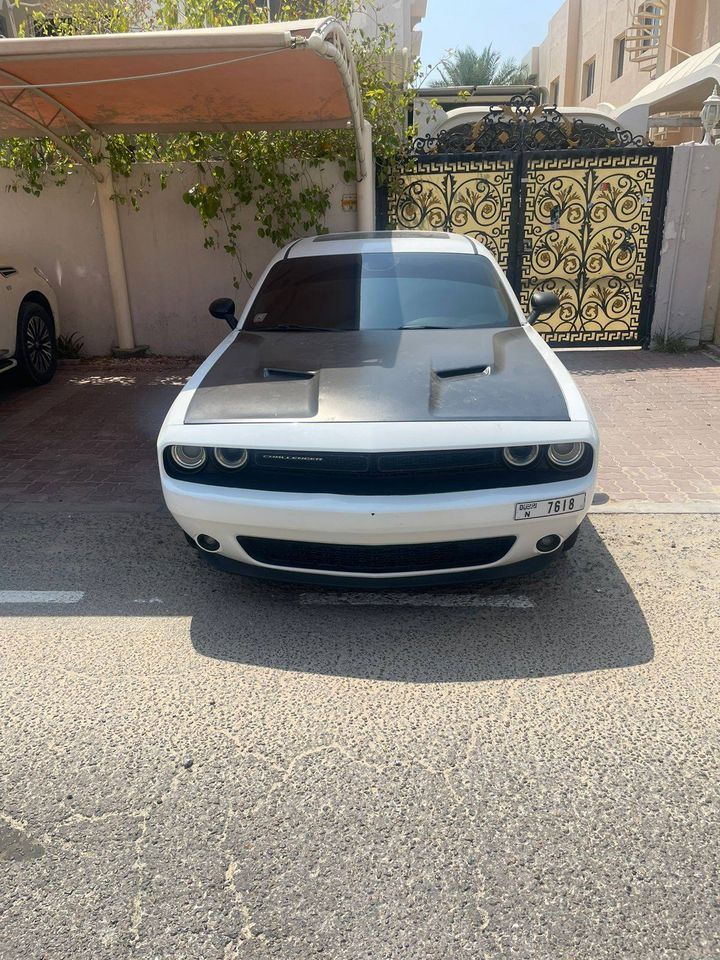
x: 270, y: 77
x: 685, y: 87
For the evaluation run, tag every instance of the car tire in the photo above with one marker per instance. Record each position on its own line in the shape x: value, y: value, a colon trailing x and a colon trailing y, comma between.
x: 36, y: 348
x: 571, y: 540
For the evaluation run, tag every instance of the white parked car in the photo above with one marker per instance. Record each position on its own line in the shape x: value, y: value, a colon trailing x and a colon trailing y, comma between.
x: 383, y: 413
x: 28, y: 321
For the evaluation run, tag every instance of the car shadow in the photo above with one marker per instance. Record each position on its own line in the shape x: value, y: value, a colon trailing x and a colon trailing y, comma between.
x: 579, y: 615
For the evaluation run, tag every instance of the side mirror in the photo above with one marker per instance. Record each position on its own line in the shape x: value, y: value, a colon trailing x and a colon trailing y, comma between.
x: 224, y: 309
x: 543, y: 304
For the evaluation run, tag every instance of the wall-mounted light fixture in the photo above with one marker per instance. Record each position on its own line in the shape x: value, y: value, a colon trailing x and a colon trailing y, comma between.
x: 710, y: 116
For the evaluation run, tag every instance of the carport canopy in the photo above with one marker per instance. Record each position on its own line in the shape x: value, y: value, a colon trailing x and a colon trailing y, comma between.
x: 295, y: 75
x: 685, y: 87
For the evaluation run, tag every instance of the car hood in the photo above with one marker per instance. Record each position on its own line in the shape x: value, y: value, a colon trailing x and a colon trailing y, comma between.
x: 379, y: 375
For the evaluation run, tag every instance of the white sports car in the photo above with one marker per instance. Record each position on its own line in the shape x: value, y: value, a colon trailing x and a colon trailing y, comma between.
x: 28, y: 321
x: 382, y: 414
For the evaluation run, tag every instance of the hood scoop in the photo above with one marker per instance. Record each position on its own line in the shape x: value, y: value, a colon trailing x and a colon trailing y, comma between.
x: 279, y: 373
x: 484, y: 370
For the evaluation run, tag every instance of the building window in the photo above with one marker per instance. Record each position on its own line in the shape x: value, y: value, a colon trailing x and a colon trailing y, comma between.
x: 651, y: 20
x: 555, y: 92
x: 619, y: 56
x: 588, y: 81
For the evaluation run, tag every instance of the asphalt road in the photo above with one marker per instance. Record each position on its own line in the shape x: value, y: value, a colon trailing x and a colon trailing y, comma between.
x: 200, y: 766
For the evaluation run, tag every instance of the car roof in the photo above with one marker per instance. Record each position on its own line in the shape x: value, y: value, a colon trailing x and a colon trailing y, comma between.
x: 389, y: 241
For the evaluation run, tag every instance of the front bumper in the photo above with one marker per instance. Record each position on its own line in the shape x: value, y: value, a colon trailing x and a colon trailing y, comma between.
x: 226, y: 514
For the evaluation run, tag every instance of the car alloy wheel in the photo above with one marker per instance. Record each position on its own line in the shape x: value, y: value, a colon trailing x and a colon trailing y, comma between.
x: 36, y: 351
x: 38, y: 344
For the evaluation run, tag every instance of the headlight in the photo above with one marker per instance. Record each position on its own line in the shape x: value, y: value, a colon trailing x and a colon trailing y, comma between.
x: 230, y: 459
x: 521, y: 456
x: 566, y: 454
x: 189, y: 458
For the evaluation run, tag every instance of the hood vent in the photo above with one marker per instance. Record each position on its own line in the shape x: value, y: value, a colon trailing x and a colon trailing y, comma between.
x: 278, y: 373
x: 484, y: 370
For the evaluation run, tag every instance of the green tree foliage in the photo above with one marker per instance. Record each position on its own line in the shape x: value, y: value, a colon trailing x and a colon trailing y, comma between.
x: 270, y: 172
x: 468, y: 68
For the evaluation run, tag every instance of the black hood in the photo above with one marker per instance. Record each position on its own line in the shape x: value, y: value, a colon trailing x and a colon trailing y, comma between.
x: 379, y: 375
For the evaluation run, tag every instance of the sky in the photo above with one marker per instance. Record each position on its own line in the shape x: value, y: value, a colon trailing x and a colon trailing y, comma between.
x: 512, y: 26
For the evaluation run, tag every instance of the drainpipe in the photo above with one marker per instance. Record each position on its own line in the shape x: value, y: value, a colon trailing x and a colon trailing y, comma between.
x: 115, y: 256
x: 366, y: 185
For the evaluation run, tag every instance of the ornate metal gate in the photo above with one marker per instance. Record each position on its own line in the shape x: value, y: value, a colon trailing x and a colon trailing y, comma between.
x: 563, y: 206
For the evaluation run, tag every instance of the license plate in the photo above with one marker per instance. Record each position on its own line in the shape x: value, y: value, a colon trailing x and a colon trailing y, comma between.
x: 549, y: 508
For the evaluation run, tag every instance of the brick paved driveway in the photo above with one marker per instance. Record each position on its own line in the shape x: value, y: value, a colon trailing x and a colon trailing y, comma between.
x: 659, y: 421
x: 88, y: 438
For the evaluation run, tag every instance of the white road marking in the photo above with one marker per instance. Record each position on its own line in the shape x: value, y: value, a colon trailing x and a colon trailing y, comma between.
x: 41, y: 596
x: 393, y: 599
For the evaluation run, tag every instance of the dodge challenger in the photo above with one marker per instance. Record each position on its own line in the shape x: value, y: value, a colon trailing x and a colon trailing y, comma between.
x: 382, y: 413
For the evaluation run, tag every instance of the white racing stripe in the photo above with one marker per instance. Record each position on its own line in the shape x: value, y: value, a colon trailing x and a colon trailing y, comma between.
x: 393, y: 599
x: 41, y: 596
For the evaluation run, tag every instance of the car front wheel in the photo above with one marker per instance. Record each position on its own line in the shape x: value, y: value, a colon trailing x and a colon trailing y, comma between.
x: 36, y: 352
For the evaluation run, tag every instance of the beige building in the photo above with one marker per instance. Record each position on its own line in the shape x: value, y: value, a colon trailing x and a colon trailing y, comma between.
x: 601, y: 52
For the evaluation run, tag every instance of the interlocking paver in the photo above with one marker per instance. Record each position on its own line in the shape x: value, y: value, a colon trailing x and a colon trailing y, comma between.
x: 90, y: 435
x: 659, y: 420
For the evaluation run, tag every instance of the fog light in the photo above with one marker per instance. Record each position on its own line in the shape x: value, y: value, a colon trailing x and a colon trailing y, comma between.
x: 208, y: 543
x: 521, y: 456
x: 549, y: 543
x: 189, y: 458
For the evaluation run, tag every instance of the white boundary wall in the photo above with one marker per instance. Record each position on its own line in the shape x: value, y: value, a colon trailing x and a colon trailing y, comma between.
x: 688, y: 284
x: 171, y: 276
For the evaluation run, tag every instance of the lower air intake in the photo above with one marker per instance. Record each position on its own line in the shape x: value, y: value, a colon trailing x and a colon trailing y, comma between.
x: 393, y: 558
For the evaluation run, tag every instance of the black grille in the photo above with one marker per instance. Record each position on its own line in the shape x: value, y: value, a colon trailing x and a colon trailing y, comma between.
x: 379, y: 474
x: 393, y: 558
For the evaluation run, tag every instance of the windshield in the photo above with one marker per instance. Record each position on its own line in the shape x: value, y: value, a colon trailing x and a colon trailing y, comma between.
x: 379, y: 291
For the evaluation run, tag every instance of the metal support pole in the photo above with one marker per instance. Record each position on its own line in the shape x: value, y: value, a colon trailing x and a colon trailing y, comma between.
x: 115, y: 259
x: 366, y: 186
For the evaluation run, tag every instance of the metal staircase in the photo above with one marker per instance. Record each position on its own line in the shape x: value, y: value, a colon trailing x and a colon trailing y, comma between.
x: 642, y: 37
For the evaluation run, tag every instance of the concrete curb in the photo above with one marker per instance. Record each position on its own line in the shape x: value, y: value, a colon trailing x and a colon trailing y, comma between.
x: 646, y: 506
x: 43, y: 507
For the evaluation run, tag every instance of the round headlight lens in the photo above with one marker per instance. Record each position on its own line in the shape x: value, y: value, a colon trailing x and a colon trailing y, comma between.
x: 566, y: 454
x: 189, y: 458
x: 231, y: 459
x: 521, y: 456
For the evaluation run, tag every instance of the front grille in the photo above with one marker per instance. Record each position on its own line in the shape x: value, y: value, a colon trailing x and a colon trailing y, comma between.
x: 379, y: 474
x: 393, y: 558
